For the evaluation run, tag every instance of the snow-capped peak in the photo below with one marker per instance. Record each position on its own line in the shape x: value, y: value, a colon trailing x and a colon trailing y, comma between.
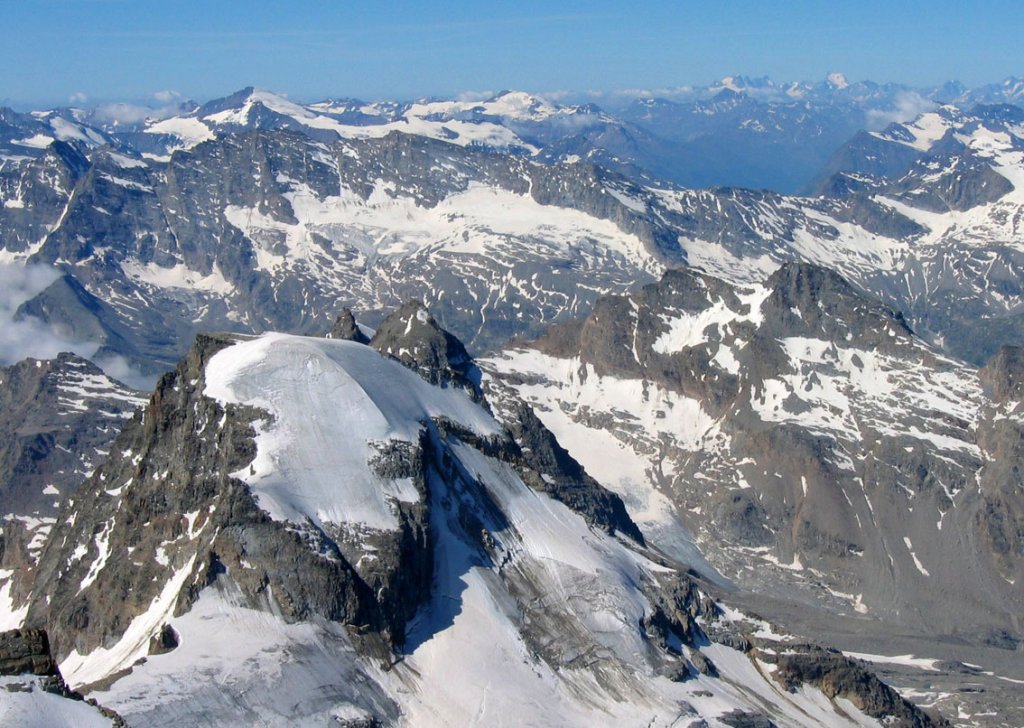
x: 837, y: 80
x: 314, y: 464
x: 520, y: 105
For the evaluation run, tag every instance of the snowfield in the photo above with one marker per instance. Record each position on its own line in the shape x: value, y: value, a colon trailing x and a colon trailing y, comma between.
x: 330, y: 402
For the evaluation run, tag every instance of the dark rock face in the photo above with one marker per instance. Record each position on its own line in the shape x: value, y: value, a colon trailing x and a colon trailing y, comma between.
x: 172, y: 460
x: 548, y: 468
x: 865, y: 154
x: 74, y: 313
x: 166, y: 497
x: 808, y: 300
x: 1004, y: 375
x: 42, y: 187
x: 26, y: 651
x: 165, y: 641
x: 960, y: 183
x: 741, y: 719
x: 346, y: 329
x: 57, y: 420
x: 838, y: 676
x: 413, y: 337
x: 618, y: 338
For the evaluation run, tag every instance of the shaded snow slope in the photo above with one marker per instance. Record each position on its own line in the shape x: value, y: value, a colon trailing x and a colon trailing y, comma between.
x: 25, y: 704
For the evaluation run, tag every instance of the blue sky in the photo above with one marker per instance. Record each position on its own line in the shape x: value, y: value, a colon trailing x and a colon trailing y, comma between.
x: 129, y: 49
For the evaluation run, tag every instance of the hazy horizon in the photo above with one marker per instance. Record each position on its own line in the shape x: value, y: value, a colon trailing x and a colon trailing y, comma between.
x: 115, y: 50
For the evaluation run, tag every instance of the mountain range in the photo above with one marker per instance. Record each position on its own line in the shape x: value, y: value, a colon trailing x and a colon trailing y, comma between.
x: 477, y: 411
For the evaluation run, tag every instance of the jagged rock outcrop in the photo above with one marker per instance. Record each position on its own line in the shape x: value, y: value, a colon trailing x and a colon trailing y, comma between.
x: 413, y: 337
x: 171, y: 497
x: 26, y: 651
x: 838, y: 676
x: 346, y: 328
x: 58, y: 418
x: 26, y: 664
x: 167, y: 497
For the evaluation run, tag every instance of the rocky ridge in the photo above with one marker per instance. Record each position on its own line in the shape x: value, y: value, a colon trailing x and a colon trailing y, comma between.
x: 58, y: 419
x: 799, y: 426
x: 33, y: 692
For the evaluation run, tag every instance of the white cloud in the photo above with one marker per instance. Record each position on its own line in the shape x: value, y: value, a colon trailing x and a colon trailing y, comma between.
x: 29, y: 337
x: 908, y: 105
x: 77, y: 98
x: 130, y: 113
x: 166, y: 97
x: 116, y: 366
x: 556, y: 97
x: 124, y: 113
x: 474, y: 96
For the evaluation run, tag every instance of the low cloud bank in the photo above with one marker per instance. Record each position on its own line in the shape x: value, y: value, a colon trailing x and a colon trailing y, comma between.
x: 32, y: 338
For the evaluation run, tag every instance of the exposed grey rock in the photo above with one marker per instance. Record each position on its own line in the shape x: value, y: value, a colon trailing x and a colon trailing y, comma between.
x: 127, y: 231
x: 172, y: 460
x: 548, y: 468
x: 829, y: 477
x: 868, y: 155
x: 26, y: 651
x: 960, y: 183
x: 741, y: 719
x: 1004, y: 375
x: 413, y: 337
x: 58, y: 419
x: 346, y: 328
x: 811, y: 301
x: 838, y: 676
x: 164, y: 641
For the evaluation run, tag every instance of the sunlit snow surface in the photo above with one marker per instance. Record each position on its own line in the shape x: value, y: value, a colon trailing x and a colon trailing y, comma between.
x: 330, y: 401
x: 460, y: 122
